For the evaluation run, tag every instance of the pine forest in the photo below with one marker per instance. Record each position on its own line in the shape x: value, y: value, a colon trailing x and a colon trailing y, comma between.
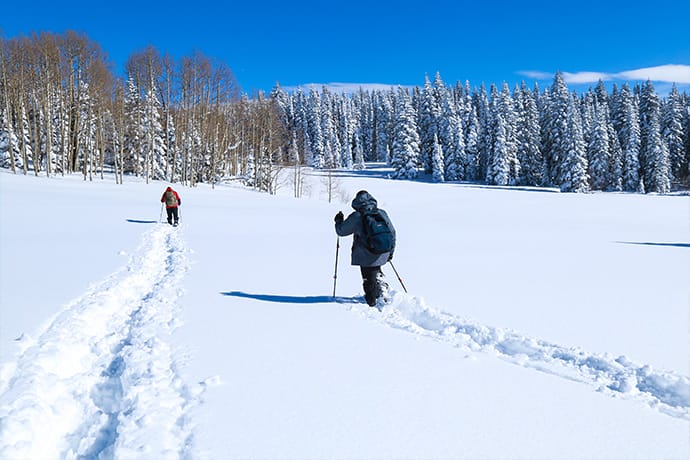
x: 186, y: 120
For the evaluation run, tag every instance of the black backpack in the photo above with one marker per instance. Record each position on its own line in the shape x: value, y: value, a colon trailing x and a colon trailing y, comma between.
x: 378, y: 236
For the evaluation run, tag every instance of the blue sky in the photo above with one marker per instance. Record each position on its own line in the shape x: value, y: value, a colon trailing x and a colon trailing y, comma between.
x: 391, y: 42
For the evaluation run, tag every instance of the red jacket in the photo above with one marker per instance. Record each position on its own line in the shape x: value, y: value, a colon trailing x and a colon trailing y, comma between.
x: 177, y: 198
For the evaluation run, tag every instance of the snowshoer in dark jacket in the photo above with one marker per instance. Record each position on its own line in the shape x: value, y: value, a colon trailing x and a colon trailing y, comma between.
x: 172, y: 201
x: 370, y: 263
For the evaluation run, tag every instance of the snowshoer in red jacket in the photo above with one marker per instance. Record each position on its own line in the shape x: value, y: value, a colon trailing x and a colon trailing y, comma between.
x: 172, y: 201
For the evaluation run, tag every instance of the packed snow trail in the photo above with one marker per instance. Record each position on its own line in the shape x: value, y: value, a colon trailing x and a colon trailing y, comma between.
x: 100, y: 380
x: 665, y: 391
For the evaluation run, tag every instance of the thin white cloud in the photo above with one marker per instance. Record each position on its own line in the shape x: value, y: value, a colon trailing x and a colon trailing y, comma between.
x: 585, y: 77
x: 536, y: 74
x: 670, y: 73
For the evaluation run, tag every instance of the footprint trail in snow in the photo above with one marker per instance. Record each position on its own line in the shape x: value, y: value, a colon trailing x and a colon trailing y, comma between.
x: 100, y: 379
x: 617, y: 376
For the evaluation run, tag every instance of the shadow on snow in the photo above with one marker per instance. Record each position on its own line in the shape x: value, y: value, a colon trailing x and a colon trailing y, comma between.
x: 642, y: 243
x: 294, y: 299
x: 136, y: 221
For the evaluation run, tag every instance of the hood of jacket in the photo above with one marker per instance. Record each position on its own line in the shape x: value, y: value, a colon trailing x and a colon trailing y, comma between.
x: 364, y: 201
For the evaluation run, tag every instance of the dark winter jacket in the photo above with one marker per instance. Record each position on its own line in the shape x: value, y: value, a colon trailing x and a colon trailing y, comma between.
x: 171, y: 204
x: 353, y: 226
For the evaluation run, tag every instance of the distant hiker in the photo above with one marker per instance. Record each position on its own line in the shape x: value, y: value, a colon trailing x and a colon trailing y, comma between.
x: 373, y: 243
x: 172, y: 201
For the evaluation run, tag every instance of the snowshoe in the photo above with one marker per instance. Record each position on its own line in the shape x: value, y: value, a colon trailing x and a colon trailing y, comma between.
x: 384, y: 289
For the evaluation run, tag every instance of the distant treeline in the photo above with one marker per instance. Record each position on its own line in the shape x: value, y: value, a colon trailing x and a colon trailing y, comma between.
x: 62, y: 110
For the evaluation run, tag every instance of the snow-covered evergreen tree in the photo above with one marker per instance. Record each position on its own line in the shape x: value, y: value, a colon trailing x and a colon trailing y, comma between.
x: 437, y: 167
x: 452, y: 139
x: 672, y: 134
x: 282, y: 102
x: 315, y: 135
x: 573, y: 167
x: 598, y: 151
x: 154, y: 137
x: 484, y: 135
x: 601, y: 96
x: 503, y: 167
x: 686, y: 130
x: 250, y: 171
x: 472, y: 148
x: 134, y: 160
x: 616, y: 110
x: 358, y: 149
x: 466, y: 109
x: 382, y: 123
x: 405, y: 154
x: 654, y: 160
x: 628, y: 120
x: 346, y: 133
x: 429, y: 114
x: 507, y: 107
x: 499, y: 167
x: 615, y: 161
x: 330, y: 142
x: 366, y: 124
x: 302, y: 117
x: 528, y: 138
x: 588, y: 109
x: 556, y: 129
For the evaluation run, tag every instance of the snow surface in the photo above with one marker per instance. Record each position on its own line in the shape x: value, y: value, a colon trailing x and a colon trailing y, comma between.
x: 537, y: 324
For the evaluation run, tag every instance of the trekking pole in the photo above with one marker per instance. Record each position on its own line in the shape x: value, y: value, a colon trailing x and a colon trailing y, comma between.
x: 335, y: 273
x: 399, y: 279
x: 160, y: 218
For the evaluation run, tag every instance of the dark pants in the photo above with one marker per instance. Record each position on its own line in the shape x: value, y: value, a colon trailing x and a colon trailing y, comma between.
x: 371, y: 276
x: 172, y: 214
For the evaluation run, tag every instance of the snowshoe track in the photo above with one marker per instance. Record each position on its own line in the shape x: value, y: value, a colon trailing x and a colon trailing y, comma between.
x: 100, y: 380
x: 665, y: 391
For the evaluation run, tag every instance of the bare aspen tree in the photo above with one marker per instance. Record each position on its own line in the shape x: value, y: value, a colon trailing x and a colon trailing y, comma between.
x: 168, y: 67
x: 73, y: 49
x: 19, y: 74
x: 100, y: 90
x: 6, y: 95
x: 119, y: 130
x: 33, y: 76
x: 48, y: 46
x: 265, y: 138
x: 184, y: 119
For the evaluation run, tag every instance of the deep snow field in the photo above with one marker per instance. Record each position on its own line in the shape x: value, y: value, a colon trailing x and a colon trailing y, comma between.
x: 538, y: 325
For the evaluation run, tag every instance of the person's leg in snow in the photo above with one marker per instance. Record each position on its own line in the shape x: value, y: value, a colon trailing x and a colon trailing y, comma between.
x: 374, y: 286
x: 173, y: 216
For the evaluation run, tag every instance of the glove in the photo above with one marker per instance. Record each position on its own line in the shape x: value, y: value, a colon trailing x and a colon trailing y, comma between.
x: 339, y: 217
x: 390, y: 257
